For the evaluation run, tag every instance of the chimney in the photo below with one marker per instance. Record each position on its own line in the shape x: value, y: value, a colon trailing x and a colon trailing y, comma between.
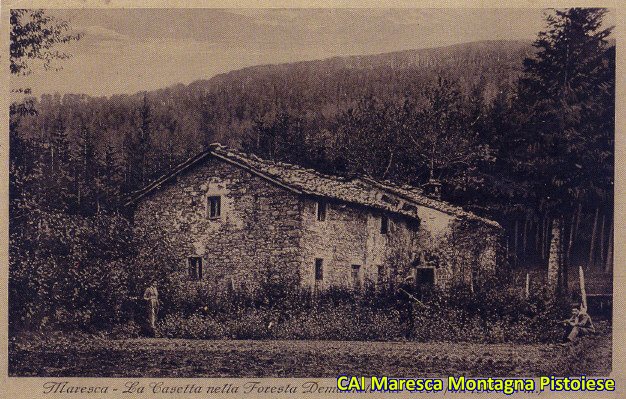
x: 432, y: 189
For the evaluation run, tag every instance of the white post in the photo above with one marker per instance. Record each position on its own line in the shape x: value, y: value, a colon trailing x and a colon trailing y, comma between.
x: 583, y: 292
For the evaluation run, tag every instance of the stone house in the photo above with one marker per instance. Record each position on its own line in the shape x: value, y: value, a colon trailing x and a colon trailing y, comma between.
x: 236, y: 219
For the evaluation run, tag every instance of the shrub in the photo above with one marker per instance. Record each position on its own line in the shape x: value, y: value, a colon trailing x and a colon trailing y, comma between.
x: 68, y: 271
x: 77, y: 275
x: 251, y: 324
x: 129, y: 329
x: 500, y: 315
x: 195, y: 326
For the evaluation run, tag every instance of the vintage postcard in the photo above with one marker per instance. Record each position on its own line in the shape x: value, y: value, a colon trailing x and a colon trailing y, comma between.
x: 312, y: 199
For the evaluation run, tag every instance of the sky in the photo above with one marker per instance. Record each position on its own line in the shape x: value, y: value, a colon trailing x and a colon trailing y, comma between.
x: 131, y: 50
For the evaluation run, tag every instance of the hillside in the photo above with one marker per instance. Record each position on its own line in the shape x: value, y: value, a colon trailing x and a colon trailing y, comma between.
x: 321, y: 89
x: 491, y: 64
x: 328, y: 85
x: 232, y: 107
x: 500, y: 57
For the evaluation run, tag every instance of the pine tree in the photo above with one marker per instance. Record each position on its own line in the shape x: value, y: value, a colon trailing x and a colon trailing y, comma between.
x: 560, y: 94
x: 85, y: 168
x: 208, y: 119
x: 109, y: 179
x: 143, y: 140
x: 57, y: 179
x: 137, y: 148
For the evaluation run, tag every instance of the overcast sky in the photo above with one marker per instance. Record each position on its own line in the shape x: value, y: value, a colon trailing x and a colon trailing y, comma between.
x: 129, y: 50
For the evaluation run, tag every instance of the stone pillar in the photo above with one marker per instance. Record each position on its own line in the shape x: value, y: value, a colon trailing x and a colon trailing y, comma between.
x: 556, y: 255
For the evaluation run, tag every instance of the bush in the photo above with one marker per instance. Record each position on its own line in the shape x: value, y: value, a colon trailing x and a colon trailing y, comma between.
x: 490, y: 316
x: 130, y: 329
x: 195, y: 326
x: 344, y: 322
x: 68, y: 272
x: 252, y: 324
x: 77, y: 276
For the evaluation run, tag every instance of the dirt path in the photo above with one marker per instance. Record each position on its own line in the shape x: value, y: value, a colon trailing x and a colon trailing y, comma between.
x: 77, y: 356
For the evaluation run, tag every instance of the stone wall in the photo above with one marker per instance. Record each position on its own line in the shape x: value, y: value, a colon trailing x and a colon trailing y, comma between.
x: 350, y: 235
x: 264, y: 228
x: 259, y: 228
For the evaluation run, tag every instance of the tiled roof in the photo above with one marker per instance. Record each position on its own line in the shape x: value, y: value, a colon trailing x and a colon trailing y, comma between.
x: 358, y: 190
x: 417, y: 196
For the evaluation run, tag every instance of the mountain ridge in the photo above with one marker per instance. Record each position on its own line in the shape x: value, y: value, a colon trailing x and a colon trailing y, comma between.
x: 516, y: 47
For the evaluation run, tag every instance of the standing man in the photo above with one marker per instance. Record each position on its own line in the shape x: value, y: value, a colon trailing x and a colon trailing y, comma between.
x: 151, y: 296
x: 405, y: 304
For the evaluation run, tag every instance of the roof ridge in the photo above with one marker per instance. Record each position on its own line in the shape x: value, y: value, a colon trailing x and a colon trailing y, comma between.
x: 303, y: 180
x: 280, y: 163
x: 432, y: 202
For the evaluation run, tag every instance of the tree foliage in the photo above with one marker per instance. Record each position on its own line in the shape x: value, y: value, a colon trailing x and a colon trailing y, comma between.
x: 36, y: 36
x: 445, y: 133
x: 530, y: 150
x: 564, y: 138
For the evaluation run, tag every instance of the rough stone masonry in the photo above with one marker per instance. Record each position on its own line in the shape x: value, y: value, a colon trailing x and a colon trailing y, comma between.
x: 235, y: 219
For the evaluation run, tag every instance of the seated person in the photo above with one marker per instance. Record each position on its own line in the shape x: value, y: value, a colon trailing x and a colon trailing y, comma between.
x: 579, y: 324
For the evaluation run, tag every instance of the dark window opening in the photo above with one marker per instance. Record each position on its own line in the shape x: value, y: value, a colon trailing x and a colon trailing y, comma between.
x: 356, y: 276
x: 413, y: 224
x: 321, y: 210
x: 384, y: 225
x: 425, y: 276
x: 215, y: 205
x: 319, y: 269
x: 195, y: 268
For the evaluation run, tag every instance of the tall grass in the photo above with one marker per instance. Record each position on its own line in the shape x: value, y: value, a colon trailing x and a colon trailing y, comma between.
x: 501, y: 314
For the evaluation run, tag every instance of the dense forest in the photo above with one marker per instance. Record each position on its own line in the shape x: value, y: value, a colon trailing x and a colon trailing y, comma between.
x: 296, y: 112
x: 520, y: 132
x: 239, y: 107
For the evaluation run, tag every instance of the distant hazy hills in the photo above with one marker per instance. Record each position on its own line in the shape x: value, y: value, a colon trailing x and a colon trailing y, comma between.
x: 505, y: 53
x: 492, y: 63
x: 225, y: 107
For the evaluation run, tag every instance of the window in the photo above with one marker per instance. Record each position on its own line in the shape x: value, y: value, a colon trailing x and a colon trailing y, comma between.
x: 356, y: 276
x: 321, y: 210
x: 425, y: 276
x: 195, y: 268
x: 214, y: 207
x: 319, y: 269
x: 384, y: 225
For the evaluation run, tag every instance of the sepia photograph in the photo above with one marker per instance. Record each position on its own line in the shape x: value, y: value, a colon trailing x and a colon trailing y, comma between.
x: 311, y: 192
